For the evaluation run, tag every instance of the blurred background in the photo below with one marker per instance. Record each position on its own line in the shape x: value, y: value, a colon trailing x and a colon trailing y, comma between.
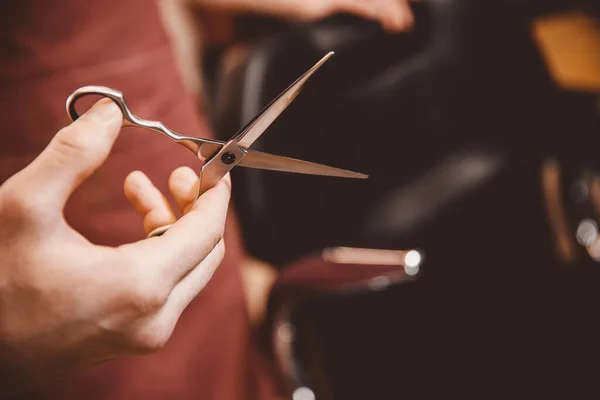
x: 466, y: 265
x: 478, y: 128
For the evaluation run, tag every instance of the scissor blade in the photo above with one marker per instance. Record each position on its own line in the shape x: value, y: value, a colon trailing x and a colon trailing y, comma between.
x: 260, y: 160
x: 252, y: 131
x: 256, y: 159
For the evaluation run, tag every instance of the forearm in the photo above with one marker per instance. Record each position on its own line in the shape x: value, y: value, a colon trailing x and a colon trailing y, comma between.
x: 270, y: 7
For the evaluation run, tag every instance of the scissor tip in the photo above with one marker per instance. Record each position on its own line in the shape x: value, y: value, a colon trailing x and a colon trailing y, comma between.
x: 327, y: 57
x: 357, y: 175
x: 315, y: 67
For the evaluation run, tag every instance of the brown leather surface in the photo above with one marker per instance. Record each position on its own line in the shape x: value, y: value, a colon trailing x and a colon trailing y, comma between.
x: 50, y: 48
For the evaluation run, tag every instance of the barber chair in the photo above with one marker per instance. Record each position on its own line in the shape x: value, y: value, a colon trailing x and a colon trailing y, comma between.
x: 453, y: 122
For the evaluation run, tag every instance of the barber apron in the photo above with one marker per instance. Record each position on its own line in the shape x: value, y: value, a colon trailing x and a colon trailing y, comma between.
x: 50, y: 48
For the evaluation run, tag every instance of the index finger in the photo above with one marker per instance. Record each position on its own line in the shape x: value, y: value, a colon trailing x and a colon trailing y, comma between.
x: 189, y: 240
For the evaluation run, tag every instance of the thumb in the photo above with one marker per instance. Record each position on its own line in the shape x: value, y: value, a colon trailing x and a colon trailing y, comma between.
x: 75, y: 152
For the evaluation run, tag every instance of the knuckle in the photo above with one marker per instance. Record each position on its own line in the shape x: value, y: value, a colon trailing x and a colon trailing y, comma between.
x: 225, y: 189
x: 320, y: 9
x: 226, y: 183
x: 150, y: 339
x: 145, y: 292
x: 79, y: 145
x: 220, y: 252
x: 215, y: 233
x: 313, y: 10
x: 141, y: 288
x: 17, y: 204
x: 216, y: 238
x: 72, y: 142
x: 219, y: 233
x: 147, y: 298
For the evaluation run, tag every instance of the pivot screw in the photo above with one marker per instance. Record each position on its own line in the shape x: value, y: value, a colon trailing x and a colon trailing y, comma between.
x: 228, y: 158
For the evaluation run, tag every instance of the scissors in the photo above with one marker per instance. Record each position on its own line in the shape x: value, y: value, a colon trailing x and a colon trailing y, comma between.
x: 220, y: 157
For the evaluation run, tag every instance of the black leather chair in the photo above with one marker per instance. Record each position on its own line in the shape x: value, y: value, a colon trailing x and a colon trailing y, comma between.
x: 452, y: 122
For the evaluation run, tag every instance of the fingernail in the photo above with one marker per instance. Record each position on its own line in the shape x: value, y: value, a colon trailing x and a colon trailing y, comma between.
x: 105, y: 110
x: 184, y: 176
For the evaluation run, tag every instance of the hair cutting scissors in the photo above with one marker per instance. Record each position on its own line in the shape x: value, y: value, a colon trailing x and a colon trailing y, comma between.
x: 220, y: 157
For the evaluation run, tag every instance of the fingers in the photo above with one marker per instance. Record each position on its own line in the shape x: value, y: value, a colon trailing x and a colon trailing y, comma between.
x: 393, y: 15
x: 403, y: 18
x: 148, y: 201
x: 172, y: 269
x: 189, y: 241
x: 159, y: 314
x: 152, y: 205
x: 74, y: 153
x: 183, y: 187
x: 191, y: 285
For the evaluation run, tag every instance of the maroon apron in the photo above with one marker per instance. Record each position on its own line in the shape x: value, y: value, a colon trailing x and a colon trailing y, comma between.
x: 50, y: 48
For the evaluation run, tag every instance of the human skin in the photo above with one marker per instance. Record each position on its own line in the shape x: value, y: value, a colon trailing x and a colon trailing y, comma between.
x: 394, y: 15
x: 66, y: 303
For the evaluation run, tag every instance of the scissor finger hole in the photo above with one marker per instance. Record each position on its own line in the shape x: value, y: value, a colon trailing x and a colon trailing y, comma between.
x: 81, y: 104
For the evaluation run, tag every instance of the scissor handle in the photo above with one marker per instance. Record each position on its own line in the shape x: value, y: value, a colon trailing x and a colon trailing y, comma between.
x: 129, y: 119
x: 116, y: 96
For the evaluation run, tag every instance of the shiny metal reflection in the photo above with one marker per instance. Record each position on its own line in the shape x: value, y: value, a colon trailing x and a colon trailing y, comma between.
x: 303, y: 393
x: 286, y: 333
x: 587, y: 232
x: 355, y: 255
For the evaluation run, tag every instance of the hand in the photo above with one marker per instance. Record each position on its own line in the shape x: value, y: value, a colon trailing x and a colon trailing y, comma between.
x: 393, y: 15
x: 258, y: 277
x: 66, y: 303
